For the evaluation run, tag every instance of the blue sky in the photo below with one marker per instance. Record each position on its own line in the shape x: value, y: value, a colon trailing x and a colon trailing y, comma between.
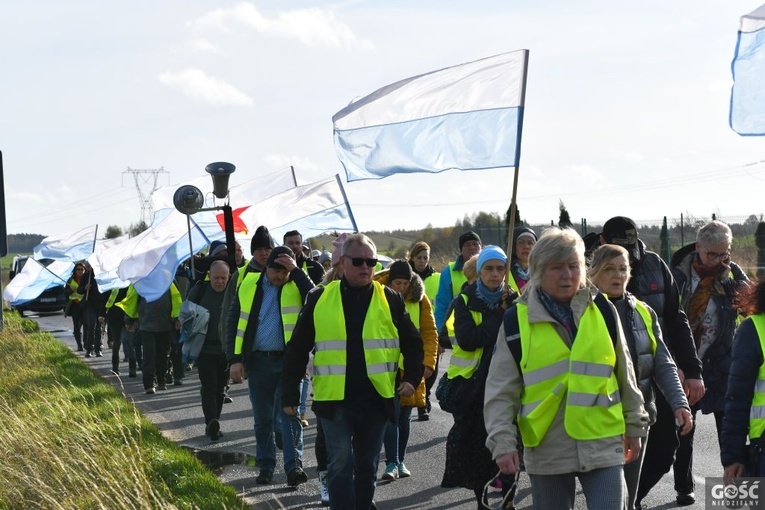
x: 626, y: 106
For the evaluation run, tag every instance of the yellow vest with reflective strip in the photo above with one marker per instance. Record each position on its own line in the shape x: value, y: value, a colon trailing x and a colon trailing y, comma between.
x: 583, y: 375
x: 642, y: 309
x: 74, y: 296
x: 112, y: 298
x: 757, y: 412
x: 379, y: 336
x: 513, y: 284
x: 431, y: 286
x: 458, y: 279
x: 290, y: 301
x: 463, y: 363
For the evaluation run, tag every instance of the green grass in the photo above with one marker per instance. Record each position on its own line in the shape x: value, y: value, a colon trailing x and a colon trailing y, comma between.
x: 70, y: 441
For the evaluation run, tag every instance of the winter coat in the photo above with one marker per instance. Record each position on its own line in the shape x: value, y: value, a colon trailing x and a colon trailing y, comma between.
x: 427, y: 329
x: 716, y: 359
x: 194, y: 319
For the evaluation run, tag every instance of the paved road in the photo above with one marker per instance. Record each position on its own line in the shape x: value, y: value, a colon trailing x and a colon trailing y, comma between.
x: 178, y: 414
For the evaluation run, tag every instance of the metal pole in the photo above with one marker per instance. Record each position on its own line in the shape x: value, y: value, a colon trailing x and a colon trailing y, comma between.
x: 228, y: 222
x: 191, y: 247
x: 3, y: 233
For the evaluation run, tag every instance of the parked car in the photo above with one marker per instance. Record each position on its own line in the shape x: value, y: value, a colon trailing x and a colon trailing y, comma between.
x: 51, y: 300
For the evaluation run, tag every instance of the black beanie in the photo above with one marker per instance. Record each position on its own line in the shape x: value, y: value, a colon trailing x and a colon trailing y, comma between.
x: 400, y: 269
x: 261, y: 239
x: 271, y: 262
x: 469, y: 236
x: 518, y: 231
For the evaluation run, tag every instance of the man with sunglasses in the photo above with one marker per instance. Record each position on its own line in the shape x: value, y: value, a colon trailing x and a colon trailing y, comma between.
x: 708, y: 281
x: 359, y: 328
x: 652, y: 282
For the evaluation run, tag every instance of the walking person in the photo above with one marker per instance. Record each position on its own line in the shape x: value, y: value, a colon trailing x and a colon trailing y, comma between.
x: 610, y: 271
x: 359, y: 329
x: 562, y: 369
x: 261, y: 324
x: 400, y: 277
x: 74, y: 308
x: 115, y: 324
x: 90, y: 304
x: 708, y: 281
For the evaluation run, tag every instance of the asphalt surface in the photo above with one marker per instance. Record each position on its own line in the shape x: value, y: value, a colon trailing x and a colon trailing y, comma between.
x: 177, y: 413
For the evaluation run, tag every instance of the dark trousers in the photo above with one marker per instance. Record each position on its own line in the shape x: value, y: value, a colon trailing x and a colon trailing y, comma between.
x: 661, y: 448
x: 683, y: 466
x: 91, y: 329
x: 76, y: 312
x: 114, y: 330
x: 176, y: 356
x: 156, y: 345
x: 213, y: 377
x: 320, y: 447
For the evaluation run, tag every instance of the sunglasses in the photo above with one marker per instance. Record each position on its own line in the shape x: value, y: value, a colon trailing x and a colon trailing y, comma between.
x: 358, y: 261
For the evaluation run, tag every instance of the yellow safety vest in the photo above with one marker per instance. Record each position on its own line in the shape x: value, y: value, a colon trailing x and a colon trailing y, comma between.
x: 290, y: 302
x: 74, y: 296
x: 463, y: 363
x: 757, y: 412
x: 130, y: 303
x: 584, y: 375
x: 431, y: 286
x: 513, y: 284
x: 458, y: 279
x: 642, y: 309
x: 379, y: 336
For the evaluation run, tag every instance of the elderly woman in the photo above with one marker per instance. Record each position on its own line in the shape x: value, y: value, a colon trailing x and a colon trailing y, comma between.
x: 562, y: 368
x: 707, y: 280
x: 745, y: 397
x: 400, y: 277
x: 523, y: 240
x: 478, y: 312
x: 610, y: 272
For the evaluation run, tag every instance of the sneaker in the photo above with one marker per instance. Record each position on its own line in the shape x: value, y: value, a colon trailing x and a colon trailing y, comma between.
x: 132, y: 374
x: 99, y: 354
x: 278, y: 440
x: 213, y: 430
x: 116, y: 371
x: 303, y: 421
x: 422, y: 414
x: 162, y: 387
x: 88, y: 354
x: 296, y: 477
x: 151, y: 391
x: 391, y: 471
x: 403, y: 472
x: 227, y: 399
x: 323, y: 490
x: 686, y: 499
x: 265, y: 477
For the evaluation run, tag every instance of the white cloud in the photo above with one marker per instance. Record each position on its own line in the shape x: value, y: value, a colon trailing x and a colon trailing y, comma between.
x: 198, y: 86
x: 203, y: 46
x: 312, y: 27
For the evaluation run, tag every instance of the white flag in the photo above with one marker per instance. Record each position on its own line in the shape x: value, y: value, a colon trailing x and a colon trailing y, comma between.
x: 35, y: 278
x: 73, y: 246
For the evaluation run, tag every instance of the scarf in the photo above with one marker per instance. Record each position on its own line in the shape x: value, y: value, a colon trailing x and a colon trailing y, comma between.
x: 491, y: 298
x: 701, y: 296
x: 563, y: 314
x: 521, y: 275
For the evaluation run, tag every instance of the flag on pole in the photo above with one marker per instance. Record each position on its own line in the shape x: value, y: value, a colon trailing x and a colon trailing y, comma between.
x: 71, y: 246
x: 312, y: 209
x: 747, y: 99
x: 465, y: 117
x: 106, y: 259
x: 35, y: 278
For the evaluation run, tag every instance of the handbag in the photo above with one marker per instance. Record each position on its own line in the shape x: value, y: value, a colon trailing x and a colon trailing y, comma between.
x: 457, y: 394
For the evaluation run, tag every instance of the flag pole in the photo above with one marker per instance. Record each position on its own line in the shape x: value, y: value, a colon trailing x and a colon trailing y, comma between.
x: 513, y: 203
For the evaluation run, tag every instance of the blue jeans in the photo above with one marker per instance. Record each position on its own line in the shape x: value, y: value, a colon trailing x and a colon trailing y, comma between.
x: 264, y: 379
x: 304, y: 394
x: 397, y: 437
x: 353, y: 450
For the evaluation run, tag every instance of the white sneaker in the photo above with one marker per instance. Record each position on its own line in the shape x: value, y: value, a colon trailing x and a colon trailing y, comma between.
x: 323, y: 488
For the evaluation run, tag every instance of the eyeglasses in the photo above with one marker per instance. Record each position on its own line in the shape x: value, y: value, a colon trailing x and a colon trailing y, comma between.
x: 613, y: 271
x: 79, y: 269
x: 717, y: 256
x: 358, y: 261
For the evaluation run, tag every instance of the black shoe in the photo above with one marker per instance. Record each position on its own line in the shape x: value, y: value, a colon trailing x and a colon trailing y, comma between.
x: 373, y: 506
x: 99, y: 354
x: 422, y: 414
x: 296, y: 477
x: 88, y: 354
x: 227, y: 400
x: 265, y: 477
x: 150, y: 391
x: 132, y: 374
x: 116, y: 371
x: 161, y: 387
x: 686, y: 499
x: 213, y: 430
x: 79, y: 347
x: 178, y: 382
x: 278, y: 440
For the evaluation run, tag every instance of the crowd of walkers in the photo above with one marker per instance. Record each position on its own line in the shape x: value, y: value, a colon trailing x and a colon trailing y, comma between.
x: 570, y: 360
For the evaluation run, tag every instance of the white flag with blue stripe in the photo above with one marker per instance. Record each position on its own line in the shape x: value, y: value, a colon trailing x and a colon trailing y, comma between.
x: 465, y: 117
x: 747, y: 100
x: 72, y: 246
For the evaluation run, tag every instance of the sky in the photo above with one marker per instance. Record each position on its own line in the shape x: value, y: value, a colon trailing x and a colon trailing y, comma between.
x: 626, y: 104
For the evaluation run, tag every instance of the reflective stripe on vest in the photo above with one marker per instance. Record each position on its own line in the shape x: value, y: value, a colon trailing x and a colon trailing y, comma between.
x: 74, y: 296
x: 290, y: 302
x: 583, y: 375
x: 463, y: 363
x: 757, y: 412
x: 112, y: 298
x: 642, y: 309
x: 458, y: 279
x: 379, y: 336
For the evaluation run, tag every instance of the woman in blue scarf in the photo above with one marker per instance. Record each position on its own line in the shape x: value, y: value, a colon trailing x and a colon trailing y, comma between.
x: 468, y: 462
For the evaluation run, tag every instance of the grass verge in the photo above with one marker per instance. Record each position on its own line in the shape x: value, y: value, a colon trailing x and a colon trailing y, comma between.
x: 68, y: 440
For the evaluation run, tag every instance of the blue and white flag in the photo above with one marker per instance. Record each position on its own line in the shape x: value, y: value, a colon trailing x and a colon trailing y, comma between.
x: 465, y: 117
x: 72, y: 246
x: 747, y: 99
x: 36, y: 278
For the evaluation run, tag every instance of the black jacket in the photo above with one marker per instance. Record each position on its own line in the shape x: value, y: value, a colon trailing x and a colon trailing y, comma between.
x: 360, y: 394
